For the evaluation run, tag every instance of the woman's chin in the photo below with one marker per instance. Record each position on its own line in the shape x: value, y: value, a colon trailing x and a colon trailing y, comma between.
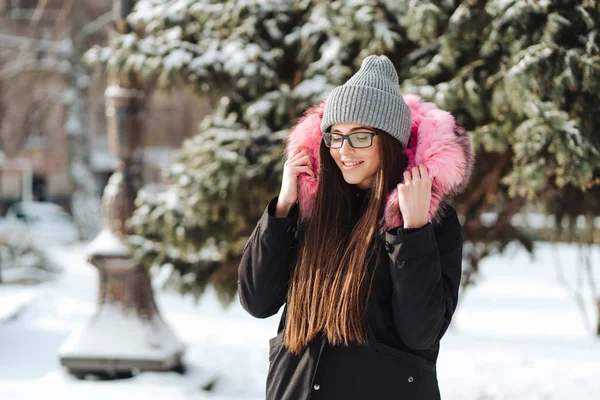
x: 353, y: 179
x: 363, y: 182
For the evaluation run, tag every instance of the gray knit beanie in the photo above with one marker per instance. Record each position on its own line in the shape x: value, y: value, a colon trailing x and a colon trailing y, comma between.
x: 371, y: 97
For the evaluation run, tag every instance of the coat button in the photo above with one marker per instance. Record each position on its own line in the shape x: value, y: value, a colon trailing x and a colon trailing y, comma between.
x: 410, y: 379
x: 291, y: 229
x: 317, y: 386
x: 388, y: 247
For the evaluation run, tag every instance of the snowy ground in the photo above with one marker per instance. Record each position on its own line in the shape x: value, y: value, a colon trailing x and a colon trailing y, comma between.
x: 518, y: 335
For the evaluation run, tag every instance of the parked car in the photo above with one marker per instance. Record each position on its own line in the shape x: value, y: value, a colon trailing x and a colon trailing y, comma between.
x: 45, y: 222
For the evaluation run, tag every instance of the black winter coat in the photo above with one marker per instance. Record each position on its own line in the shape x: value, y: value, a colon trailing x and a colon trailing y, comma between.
x: 413, y: 296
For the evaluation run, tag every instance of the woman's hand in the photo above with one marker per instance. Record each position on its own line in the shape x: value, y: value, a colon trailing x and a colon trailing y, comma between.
x: 414, y: 196
x: 300, y: 162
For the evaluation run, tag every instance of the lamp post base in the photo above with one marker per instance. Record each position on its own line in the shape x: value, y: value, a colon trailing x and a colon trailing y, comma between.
x: 127, y: 333
x: 115, y: 343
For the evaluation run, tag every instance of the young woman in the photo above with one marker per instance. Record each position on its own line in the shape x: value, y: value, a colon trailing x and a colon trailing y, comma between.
x: 361, y: 245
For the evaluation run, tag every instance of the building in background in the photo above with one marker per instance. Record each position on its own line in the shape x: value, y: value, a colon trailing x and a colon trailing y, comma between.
x: 33, y: 115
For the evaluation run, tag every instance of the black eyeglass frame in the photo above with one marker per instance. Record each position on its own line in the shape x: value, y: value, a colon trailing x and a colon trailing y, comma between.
x: 347, y: 137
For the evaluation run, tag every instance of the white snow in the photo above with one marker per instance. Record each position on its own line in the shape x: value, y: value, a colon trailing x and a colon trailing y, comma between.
x: 118, y: 91
x: 177, y: 168
x: 330, y: 52
x: 26, y: 271
x: 317, y: 22
x: 47, y: 223
x: 147, y: 45
x: 385, y: 34
x: 364, y: 14
x: 128, y: 41
x: 107, y: 244
x: 535, y: 220
x: 177, y: 59
x: 172, y: 199
x: 158, y: 156
x: 314, y: 86
x: 209, y: 252
x: 13, y: 299
x: 260, y: 107
x: 176, y: 10
x: 227, y: 135
x: 208, y: 57
x: 236, y: 57
x: 137, y: 338
x: 518, y: 335
x: 227, y: 155
x: 174, y: 33
x: 103, y: 160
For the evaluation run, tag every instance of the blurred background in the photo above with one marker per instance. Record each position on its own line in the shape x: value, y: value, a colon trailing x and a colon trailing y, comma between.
x: 141, y: 140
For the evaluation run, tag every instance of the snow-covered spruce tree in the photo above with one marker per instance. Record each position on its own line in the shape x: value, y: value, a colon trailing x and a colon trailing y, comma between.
x: 261, y: 63
x: 520, y: 75
x: 524, y: 77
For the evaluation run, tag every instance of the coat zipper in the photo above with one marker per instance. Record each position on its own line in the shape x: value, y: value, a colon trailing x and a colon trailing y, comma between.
x: 312, y: 380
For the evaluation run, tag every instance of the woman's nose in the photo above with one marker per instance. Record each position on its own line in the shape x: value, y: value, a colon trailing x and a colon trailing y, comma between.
x: 346, y: 148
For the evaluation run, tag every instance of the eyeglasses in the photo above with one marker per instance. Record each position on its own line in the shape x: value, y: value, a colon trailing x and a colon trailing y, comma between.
x: 358, y: 140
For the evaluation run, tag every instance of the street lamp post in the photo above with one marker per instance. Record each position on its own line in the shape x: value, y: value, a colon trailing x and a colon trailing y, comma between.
x: 127, y: 333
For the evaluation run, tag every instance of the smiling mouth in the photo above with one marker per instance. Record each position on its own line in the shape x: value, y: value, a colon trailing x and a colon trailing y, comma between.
x: 348, y: 164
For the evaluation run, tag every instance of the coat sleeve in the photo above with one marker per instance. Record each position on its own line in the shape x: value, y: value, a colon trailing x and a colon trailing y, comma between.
x: 267, y: 260
x: 426, y: 267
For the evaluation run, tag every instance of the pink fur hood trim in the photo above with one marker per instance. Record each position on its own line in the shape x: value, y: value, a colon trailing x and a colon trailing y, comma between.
x: 436, y: 141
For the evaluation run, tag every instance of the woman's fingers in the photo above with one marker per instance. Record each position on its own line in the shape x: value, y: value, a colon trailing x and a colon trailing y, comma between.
x: 300, y: 162
x: 423, y: 171
x: 415, y: 173
x: 294, y: 160
x: 298, y: 153
x: 303, y: 160
x: 305, y: 169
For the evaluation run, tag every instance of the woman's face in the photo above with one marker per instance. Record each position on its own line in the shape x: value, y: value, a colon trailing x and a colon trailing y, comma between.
x: 358, y: 166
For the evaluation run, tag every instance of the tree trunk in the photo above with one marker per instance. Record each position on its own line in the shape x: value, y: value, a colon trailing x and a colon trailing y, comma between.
x: 85, y: 201
x: 598, y: 316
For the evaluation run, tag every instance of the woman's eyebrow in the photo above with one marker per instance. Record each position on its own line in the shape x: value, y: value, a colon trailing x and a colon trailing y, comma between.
x: 356, y: 128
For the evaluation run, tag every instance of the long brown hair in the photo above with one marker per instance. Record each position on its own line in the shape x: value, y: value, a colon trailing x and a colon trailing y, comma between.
x: 330, y: 285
